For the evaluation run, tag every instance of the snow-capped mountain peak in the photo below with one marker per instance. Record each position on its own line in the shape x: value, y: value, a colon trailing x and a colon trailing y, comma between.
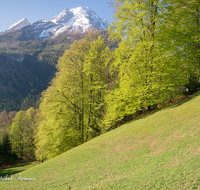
x: 75, y: 19
x: 71, y: 19
x: 80, y: 17
x: 19, y: 24
x: 62, y: 17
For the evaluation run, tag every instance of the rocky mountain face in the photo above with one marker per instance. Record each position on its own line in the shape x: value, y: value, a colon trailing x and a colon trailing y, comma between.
x: 78, y: 19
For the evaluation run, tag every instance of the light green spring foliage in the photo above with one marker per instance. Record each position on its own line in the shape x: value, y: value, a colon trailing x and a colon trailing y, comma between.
x: 97, y: 69
x: 183, y: 30
x: 71, y: 108
x: 22, y: 134
x: 151, y: 72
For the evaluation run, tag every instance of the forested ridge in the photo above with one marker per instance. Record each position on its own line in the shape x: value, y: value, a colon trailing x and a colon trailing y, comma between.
x: 96, y: 87
x: 27, y: 67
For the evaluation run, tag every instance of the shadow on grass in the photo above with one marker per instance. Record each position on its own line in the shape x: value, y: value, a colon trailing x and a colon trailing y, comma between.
x: 184, y: 100
x: 16, y: 168
x: 176, y: 103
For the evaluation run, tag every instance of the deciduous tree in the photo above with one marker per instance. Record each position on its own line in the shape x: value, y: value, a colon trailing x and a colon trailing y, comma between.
x: 71, y: 108
x: 149, y: 73
x: 22, y: 134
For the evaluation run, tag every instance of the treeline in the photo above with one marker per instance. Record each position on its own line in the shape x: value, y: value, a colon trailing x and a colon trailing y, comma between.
x: 96, y: 89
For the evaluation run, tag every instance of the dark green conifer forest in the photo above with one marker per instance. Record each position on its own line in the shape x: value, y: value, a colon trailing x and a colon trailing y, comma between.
x: 96, y: 85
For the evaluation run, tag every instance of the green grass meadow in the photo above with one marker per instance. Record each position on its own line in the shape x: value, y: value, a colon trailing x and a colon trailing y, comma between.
x: 158, y: 151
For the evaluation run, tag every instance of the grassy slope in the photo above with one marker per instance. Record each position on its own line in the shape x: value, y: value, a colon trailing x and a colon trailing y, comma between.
x: 17, y: 168
x: 160, y: 151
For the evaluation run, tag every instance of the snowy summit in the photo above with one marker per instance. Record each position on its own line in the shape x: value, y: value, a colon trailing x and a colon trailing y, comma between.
x: 80, y: 16
x: 21, y: 23
x: 77, y: 18
x: 68, y: 20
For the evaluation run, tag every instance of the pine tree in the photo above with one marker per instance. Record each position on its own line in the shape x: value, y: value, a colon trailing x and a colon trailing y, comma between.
x: 6, y: 155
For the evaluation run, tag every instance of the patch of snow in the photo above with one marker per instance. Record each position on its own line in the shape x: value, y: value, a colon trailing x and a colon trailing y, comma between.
x: 71, y: 21
x: 18, y: 58
x: 61, y: 30
x: 19, y: 24
x: 45, y: 33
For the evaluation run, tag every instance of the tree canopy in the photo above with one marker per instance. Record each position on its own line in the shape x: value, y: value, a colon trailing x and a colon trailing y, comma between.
x: 152, y: 57
x: 72, y: 108
x: 22, y: 134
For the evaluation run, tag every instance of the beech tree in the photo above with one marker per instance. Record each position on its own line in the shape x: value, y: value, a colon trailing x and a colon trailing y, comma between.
x: 72, y: 108
x: 97, y: 70
x: 149, y: 73
x: 183, y: 21
x: 22, y: 134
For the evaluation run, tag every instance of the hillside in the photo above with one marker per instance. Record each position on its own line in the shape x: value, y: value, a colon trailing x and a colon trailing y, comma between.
x: 159, y: 151
x: 27, y: 67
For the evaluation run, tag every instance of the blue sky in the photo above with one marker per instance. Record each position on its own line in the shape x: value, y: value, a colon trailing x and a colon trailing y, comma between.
x: 12, y: 11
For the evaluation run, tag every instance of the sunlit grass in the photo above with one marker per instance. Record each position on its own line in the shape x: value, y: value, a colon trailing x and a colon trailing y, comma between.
x: 160, y: 151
